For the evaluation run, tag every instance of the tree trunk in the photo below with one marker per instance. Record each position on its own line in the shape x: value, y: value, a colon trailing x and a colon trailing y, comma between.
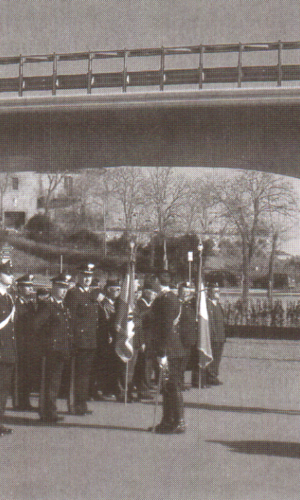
x: 271, y: 269
x: 152, y: 252
x: 246, y: 276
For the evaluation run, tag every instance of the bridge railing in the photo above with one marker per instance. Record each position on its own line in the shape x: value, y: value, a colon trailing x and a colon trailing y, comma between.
x: 162, y: 76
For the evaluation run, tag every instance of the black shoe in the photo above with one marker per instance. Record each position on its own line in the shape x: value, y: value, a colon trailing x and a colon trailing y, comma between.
x: 109, y: 397
x: 145, y: 397
x: 51, y: 419
x: 80, y: 412
x: 4, y: 431
x: 162, y: 428
x: 214, y: 381
x: 179, y: 428
x: 25, y: 408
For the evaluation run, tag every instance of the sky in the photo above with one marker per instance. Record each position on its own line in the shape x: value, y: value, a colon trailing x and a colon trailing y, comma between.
x: 43, y: 26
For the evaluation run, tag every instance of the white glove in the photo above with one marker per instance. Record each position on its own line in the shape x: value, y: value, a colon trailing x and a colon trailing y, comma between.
x: 162, y: 361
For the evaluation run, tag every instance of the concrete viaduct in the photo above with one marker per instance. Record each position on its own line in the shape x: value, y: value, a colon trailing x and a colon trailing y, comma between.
x: 252, y: 127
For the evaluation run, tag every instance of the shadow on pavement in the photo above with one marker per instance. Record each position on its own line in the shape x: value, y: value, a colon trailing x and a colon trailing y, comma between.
x: 272, y: 448
x: 241, y: 409
x: 30, y: 422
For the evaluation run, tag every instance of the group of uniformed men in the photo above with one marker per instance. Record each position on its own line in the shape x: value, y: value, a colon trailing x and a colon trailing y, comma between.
x: 73, y: 328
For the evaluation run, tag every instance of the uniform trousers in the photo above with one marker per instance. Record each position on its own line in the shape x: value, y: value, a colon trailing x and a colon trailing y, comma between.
x: 142, y: 374
x: 23, y: 381
x: 6, y: 371
x: 212, y: 370
x: 55, y: 362
x: 84, y: 359
x: 110, y: 371
x: 173, y: 408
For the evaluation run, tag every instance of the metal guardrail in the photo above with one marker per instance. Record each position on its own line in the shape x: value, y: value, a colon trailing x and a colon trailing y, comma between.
x: 161, y: 77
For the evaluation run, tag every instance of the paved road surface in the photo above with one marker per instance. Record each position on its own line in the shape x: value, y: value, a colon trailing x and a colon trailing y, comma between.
x: 242, y: 441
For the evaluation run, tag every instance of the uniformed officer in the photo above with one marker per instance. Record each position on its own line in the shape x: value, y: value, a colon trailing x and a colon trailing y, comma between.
x: 110, y: 365
x: 171, y: 354
x: 83, y: 307
x: 25, y: 310
x: 188, y: 330
x: 217, y: 334
x: 7, y: 339
x: 53, y: 323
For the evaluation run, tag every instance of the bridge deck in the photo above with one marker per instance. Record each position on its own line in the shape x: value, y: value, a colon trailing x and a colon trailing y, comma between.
x: 119, y: 101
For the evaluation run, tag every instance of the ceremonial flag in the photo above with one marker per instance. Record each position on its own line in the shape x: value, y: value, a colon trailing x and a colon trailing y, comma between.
x: 124, y: 317
x: 203, y: 345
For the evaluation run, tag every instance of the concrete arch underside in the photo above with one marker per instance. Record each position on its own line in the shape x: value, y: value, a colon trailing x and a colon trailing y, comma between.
x: 233, y: 129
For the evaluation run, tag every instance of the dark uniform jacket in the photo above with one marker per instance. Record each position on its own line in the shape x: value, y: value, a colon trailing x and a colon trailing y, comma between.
x: 141, y: 329
x: 7, y: 334
x: 187, y: 324
x: 216, y: 321
x: 52, y: 323
x: 106, y: 325
x: 24, y: 316
x: 165, y: 310
x: 84, y: 317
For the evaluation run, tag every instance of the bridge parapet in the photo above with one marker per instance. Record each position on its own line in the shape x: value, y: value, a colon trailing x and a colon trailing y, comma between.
x: 157, y: 67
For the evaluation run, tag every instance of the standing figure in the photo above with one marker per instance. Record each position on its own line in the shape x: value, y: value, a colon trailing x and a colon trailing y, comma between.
x: 143, y: 341
x: 84, y: 320
x: 52, y: 321
x: 166, y: 310
x: 217, y: 335
x: 188, y: 327
x: 7, y: 339
x: 109, y: 364
x: 25, y: 311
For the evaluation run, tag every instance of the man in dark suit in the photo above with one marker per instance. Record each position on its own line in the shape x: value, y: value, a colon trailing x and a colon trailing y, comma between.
x: 25, y: 311
x: 7, y: 339
x: 166, y: 310
x: 217, y: 335
x: 142, y: 359
x: 83, y: 307
x: 53, y: 324
x: 188, y: 328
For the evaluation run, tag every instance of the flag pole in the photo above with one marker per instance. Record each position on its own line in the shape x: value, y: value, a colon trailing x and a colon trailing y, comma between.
x: 126, y: 384
x: 131, y: 271
x: 198, y: 301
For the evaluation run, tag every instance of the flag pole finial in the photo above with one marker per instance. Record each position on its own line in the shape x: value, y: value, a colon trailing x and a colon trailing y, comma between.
x: 200, y: 246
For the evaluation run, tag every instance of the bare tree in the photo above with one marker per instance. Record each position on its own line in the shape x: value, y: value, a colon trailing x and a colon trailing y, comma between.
x: 165, y: 194
x: 248, y: 202
x: 53, y: 181
x: 124, y: 184
x: 199, y: 211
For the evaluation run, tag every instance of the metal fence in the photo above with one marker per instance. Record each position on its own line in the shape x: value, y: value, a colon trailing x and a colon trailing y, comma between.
x: 161, y: 76
x: 259, y: 313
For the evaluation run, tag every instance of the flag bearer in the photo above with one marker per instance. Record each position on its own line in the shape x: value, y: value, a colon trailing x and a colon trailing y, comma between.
x: 171, y: 354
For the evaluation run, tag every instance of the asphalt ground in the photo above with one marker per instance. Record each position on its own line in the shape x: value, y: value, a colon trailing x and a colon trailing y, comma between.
x: 242, y: 440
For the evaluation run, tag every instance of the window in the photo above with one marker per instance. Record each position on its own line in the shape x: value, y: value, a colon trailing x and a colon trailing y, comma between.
x: 15, y: 183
